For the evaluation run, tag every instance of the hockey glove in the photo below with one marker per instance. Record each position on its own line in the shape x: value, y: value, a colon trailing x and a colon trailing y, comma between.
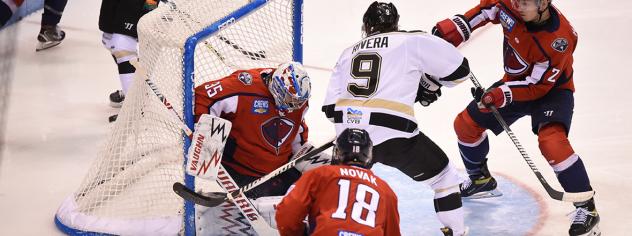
x: 429, y: 90
x: 426, y: 97
x: 455, y: 30
x: 312, y: 162
x: 498, y: 97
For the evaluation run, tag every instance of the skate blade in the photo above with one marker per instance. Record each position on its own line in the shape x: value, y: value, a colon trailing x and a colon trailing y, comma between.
x: 43, y: 46
x: 595, y: 231
x: 488, y: 194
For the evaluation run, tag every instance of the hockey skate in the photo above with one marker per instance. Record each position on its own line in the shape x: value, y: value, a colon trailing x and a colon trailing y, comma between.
x: 585, y: 220
x: 448, y: 232
x: 481, y: 185
x: 112, y: 118
x: 49, y: 37
x: 117, y: 98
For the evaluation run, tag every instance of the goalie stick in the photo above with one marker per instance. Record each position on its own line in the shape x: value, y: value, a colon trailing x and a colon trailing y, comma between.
x: 557, y: 195
x: 215, y: 198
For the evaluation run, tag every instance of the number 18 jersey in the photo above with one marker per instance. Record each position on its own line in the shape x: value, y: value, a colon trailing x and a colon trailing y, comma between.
x: 339, y: 200
x: 374, y: 83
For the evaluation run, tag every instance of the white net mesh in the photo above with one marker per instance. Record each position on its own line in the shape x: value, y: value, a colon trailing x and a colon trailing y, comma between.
x: 7, y: 53
x: 131, y: 179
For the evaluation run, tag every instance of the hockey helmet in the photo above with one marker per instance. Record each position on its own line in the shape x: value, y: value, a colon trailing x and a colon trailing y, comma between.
x: 353, y: 146
x: 380, y: 17
x: 290, y: 86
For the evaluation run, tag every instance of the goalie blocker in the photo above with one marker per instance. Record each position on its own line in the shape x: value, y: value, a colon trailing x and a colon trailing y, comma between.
x: 207, y: 146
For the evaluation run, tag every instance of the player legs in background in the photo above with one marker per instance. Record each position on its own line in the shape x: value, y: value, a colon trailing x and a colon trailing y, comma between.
x: 50, y: 34
x: 123, y: 49
x: 118, y: 20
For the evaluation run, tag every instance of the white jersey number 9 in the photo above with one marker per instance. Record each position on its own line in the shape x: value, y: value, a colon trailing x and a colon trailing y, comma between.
x: 365, y: 66
x: 359, y: 206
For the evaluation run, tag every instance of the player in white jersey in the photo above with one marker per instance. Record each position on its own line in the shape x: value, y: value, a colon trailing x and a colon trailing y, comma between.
x: 374, y: 86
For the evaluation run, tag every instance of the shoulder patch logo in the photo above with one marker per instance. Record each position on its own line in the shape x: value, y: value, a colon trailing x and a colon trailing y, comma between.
x: 260, y: 106
x: 245, y: 78
x: 506, y: 20
x: 560, y: 44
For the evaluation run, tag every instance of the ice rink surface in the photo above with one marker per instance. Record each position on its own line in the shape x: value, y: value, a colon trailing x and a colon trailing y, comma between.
x: 58, y: 111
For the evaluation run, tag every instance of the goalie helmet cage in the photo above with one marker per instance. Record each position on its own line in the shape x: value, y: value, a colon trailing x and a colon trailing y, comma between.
x: 182, y: 44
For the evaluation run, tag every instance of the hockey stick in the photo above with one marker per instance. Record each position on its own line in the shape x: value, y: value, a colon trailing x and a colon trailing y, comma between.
x: 252, y: 55
x: 140, y: 71
x: 557, y: 195
x: 216, y: 198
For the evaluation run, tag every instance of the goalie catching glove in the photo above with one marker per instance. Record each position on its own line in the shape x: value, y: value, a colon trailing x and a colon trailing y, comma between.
x: 312, y: 162
x: 207, y: 145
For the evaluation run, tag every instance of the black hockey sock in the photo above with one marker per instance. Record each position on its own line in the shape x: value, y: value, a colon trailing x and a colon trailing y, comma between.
x: 53, y: 10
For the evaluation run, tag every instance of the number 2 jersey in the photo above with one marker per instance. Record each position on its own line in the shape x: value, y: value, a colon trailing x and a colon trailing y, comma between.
x: 261, y: 139
x: 536, y: 58
x: 374, y: 83
x: 339, y: 200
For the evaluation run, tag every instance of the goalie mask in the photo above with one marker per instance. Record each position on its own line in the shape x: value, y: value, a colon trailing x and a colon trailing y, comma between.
x: 290, y: 86
x: 380, y: 17
x: 353, y: 146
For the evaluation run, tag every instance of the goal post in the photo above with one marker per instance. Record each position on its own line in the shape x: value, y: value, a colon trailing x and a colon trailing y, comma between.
x: 182, y: 44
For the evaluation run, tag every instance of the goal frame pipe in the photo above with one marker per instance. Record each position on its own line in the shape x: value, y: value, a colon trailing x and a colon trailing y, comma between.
x: 189, y: 78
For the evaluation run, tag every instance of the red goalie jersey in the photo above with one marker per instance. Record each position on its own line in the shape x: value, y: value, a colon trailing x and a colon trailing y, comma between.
x: 536, y: 58
x: 339, y: 200
x: 261, y: 139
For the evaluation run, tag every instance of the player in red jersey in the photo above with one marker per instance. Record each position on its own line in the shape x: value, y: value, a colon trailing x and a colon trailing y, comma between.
x: 343, y: 199
x: 266, y: 107
x: 538, y: 61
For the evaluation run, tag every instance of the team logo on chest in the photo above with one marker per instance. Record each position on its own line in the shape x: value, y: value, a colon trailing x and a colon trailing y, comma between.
x: 560, y: 44
x: 514, y: 64
x: 354, y: 116
x: 260, y: 106
x: 506, y: 20
x: 276, y: 131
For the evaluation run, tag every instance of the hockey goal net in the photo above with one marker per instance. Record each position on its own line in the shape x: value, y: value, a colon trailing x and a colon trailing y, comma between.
x: 182, y: 44
x: 7, y: 53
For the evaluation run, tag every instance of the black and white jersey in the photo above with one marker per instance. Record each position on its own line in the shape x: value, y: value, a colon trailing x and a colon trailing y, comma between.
x: 374, y: 83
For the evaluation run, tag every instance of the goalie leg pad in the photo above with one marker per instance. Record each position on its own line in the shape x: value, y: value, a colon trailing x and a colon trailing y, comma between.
x: 267, y: 208
x: 225, y: 219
